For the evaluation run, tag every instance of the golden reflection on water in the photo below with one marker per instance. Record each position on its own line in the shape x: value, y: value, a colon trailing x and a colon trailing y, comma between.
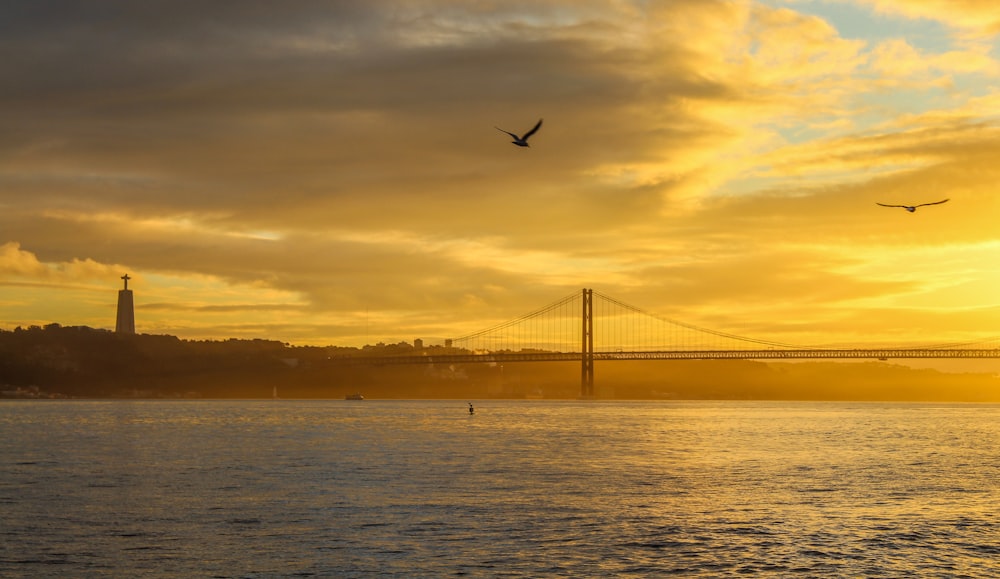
x: 421, y: 487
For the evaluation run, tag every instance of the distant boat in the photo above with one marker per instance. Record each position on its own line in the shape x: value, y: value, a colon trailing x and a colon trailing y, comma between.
x: 355, y: 396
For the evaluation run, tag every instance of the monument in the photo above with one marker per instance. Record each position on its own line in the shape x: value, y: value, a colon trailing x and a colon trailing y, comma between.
x: 126, y: 310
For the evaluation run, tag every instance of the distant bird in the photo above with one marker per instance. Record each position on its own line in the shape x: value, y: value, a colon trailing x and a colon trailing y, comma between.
x: 521, y: 141
x: 912, y: 208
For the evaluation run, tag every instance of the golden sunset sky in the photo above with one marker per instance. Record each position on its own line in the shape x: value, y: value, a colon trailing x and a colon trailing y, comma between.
x: 329, y: 173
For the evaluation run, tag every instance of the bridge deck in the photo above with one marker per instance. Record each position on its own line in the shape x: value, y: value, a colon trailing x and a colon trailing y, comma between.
x: 769, y: 354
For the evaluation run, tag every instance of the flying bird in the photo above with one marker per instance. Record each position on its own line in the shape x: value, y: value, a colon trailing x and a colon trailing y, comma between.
x: 912, y: 208
x: 521, y: 141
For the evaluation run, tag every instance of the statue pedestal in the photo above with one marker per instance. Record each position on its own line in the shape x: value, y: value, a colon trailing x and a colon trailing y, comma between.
x: 126, y: 313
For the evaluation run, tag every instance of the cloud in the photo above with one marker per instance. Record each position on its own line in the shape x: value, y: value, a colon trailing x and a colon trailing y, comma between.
x: 978, y: 16
x: 284, y: 170
x: 17, y: 262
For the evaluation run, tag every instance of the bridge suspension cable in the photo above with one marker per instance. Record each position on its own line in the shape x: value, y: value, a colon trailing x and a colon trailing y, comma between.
x: 549, y: 328
x: 622, y: 327
x: 618, y: 326
x: 678, y: 340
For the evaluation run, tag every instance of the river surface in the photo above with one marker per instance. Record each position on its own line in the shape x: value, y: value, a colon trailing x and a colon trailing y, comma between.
x: 520, y: 489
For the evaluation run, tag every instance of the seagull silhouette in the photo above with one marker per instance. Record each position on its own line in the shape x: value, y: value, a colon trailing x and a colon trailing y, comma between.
x: 912, y: 208
x: 521, y: 141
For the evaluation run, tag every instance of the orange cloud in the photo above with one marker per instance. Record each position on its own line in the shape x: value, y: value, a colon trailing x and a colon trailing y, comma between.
x: 978, y: 16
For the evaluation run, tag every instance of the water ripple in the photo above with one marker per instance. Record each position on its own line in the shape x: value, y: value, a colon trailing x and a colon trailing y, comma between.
x: 319, y: 489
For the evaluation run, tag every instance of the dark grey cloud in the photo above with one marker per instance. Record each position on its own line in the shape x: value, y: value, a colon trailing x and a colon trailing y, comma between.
x: 218, y: 112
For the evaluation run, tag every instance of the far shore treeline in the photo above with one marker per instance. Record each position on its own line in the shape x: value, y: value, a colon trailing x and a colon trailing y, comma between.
x: 80, y: 362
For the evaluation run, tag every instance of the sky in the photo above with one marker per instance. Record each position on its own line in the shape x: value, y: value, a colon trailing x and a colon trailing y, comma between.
x: 329, y: 173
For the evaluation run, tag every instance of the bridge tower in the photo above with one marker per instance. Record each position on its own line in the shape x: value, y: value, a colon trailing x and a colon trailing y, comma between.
x: 587, y: 349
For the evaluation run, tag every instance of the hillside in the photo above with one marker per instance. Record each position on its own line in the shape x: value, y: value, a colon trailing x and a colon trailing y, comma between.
x: 85, y: 362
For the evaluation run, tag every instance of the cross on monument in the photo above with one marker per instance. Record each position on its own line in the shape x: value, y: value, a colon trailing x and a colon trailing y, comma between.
x: 126, y: 278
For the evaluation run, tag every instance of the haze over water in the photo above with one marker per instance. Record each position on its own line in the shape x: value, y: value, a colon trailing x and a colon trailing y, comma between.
x: 521, y: 489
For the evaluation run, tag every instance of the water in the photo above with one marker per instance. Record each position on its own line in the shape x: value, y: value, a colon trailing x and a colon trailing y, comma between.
x: 520, y: 489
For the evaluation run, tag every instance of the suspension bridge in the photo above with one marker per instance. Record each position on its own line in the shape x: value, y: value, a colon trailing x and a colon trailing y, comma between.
x: 589, y: 326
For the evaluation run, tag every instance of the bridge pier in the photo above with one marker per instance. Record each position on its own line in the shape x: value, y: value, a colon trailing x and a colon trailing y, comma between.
x: 587, y: 348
